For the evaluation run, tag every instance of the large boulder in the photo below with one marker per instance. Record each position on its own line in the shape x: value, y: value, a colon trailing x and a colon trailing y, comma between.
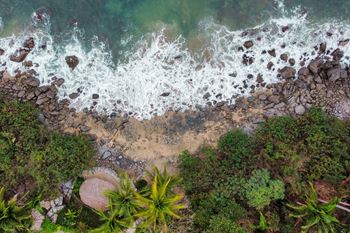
x: 98, y: 181
x: 92, y: 193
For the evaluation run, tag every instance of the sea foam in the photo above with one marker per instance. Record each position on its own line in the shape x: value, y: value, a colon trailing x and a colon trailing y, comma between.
x: 159, y: 75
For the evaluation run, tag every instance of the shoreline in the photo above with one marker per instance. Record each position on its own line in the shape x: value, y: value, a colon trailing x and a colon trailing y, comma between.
x: 130, y: 144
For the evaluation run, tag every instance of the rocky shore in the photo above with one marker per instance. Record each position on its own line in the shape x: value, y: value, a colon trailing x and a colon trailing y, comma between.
x: 126, y: 143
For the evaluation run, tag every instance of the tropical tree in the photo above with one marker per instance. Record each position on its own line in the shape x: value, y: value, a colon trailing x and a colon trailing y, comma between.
x: 163, y: 177
x: 122, y: 206
x: 315, y: 215
x: 13, y: 218
x: 160, y: 206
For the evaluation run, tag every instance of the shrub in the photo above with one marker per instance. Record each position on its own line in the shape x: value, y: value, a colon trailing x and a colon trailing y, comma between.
x: 260, y: 190
x: 223, y: 225
x: 35, y: 158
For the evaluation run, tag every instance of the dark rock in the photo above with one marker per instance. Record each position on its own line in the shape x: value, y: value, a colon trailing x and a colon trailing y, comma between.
x: 323, y: 48
x: 29, y: 43
x: 95, y: 96
x: 248, y: 44
x: 165, y: 94
x: 291, y: 61
x: 59, y: 82
x: 31, y: 81
x: 2, y: 52
x: 206, y: 95
x: 73, y: 95
x: 333, y: 74
x: 28, y: 63
x: 314, y: 66
x: 284, y: 57
x: 287, y: 72
x: 272, y: 52
x: 19, y: 56
x: 72, y: 61
x: 285, y: 28
x: 344, y: 42
x: 269, y: 65
x: 259, y: 79
x: 337, y: 54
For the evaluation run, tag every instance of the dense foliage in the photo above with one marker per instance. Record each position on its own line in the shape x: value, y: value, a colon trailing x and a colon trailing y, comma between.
x: 34, y: 159
x: 248, y: 182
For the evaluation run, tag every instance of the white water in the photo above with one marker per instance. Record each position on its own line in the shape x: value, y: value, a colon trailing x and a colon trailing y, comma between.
x: 158, y: 66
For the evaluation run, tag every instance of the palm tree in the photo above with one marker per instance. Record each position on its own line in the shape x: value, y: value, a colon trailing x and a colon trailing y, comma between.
x: 316, y: 215
x: 13, y: 218
x: 122, y: 206
x: 159, y: 206
x: 163, y: 177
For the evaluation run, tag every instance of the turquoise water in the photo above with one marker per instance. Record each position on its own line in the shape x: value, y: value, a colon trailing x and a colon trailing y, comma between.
x: 116, y: 20
x: 145, y: 57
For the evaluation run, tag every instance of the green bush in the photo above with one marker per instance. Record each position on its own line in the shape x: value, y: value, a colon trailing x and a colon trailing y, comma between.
x: 260, y: 190
x: 284, y: 153
x: 223, y: 225
x: 35, y: 158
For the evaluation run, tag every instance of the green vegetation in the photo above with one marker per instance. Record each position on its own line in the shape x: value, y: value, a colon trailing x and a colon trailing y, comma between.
x: 33, y: 158
x: 315, y: 214
x: 247, y: 182
x: 13, y: 218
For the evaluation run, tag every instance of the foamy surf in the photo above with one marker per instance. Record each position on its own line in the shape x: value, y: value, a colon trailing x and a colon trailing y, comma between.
x: 159, y: 75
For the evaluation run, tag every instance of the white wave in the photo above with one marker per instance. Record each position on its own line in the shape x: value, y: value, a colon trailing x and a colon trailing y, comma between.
x: 158, y: 66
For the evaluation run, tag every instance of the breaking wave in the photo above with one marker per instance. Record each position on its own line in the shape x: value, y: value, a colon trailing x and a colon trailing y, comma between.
x: 160, y: 75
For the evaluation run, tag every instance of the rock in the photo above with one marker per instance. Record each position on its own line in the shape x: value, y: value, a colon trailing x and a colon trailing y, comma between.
x: 72, y: 61
x: 291, y: 61
x: 84, y: 128
x: 2, y: 52
x: 29, y: 43
x: 303, y: 71
x: 92, y: 193
x: 33, y: 82
x: 248, y: 44
x: 73, y: 95
x: 38, y: 219
x: 19, y: 56
x: 45, y: 204
x: 259, y: 79
x: 299, y: 110
x: 287, y: 72
x: 284, y: 57
x: 285, y: 28
x: 314, y: 66
x: 272, y: 52
x: 28, y: 63
x: 95, y: 96
x: 206, y: 95
x: 323, y: 48
x: 106, y: 154
x: 269, y: 65
x: 333, y: 74
x: 165, y: 94
x: 344, y: 42
x: 59, y: 82
x: 337, y: 54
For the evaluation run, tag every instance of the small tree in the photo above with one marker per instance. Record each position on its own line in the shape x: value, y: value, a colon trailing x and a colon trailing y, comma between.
x: 13, y: 218
x: 315, y: 215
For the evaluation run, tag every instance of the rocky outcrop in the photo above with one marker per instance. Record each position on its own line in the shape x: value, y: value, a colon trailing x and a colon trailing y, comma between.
x: 72, y: 61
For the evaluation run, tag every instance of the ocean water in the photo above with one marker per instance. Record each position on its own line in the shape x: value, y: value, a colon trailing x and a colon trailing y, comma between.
x: 145, y: 57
